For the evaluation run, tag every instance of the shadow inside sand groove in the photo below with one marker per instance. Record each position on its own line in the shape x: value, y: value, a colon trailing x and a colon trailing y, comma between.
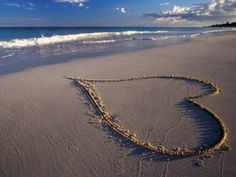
x: 203, y: 123
x: 208, y: 129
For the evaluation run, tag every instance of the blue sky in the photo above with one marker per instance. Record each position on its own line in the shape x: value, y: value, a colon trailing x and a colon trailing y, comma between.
x: 115, y: 12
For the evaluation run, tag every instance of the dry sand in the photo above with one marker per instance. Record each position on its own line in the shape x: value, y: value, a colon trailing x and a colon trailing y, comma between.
x: 47, y: 127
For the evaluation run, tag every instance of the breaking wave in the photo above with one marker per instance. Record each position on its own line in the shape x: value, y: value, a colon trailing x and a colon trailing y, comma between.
x: 105, y: 37
x: 18, y: 43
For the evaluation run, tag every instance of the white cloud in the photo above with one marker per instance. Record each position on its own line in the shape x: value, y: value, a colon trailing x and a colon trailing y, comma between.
x: 174, y: 21
x: 28, y: 6
x: 165, y: 4
x: 71, y: 1
x: 80, y: 3
x: 180, y: 10
x: 214, y: 11
x: 13, y: 5
x: 31, y: 4
x: 121, y: 9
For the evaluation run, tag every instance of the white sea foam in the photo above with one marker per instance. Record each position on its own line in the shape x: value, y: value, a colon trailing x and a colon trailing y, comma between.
x: 100, y: 41
x: 135, y: 39
x: 195, y: 35
x: 219, y: 30
x: 6, y: 56
x: 18, y: 43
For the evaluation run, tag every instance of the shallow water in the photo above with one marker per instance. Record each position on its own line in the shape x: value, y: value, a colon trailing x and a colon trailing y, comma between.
x: 23, y: 48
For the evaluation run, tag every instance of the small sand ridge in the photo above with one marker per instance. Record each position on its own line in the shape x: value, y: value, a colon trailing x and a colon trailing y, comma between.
x: 92, y: 93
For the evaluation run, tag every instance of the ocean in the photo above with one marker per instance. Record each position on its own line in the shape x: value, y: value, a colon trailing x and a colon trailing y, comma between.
x: 26, y: 47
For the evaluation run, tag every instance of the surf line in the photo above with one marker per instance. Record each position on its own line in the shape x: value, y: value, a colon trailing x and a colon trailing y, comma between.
x: 92, y: 93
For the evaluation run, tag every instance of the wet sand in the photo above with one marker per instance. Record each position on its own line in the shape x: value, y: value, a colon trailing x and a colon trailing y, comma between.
x: 48, y: 126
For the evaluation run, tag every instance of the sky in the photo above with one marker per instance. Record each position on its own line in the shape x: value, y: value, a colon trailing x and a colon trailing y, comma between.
x: 116, y: 12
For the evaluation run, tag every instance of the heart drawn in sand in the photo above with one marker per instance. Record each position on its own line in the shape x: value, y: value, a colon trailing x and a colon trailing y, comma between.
x: 91, y: 93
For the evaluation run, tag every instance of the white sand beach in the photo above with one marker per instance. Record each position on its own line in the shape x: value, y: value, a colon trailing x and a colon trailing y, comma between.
x: 48, y: 127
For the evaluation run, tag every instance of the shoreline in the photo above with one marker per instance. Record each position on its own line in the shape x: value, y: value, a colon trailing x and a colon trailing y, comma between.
x: 47, y: 128
x: 13, y: 69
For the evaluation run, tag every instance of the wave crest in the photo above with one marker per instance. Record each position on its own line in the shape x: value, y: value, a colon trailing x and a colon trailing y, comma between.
x: 18, y: 43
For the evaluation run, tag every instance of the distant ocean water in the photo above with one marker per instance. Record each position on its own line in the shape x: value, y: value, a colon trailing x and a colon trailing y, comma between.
x: 26, y: 47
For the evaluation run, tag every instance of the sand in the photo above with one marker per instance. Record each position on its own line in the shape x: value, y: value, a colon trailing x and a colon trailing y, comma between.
x: 48, y: 128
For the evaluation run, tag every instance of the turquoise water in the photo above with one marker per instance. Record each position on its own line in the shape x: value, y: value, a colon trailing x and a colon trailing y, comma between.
x: 26, y: 47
